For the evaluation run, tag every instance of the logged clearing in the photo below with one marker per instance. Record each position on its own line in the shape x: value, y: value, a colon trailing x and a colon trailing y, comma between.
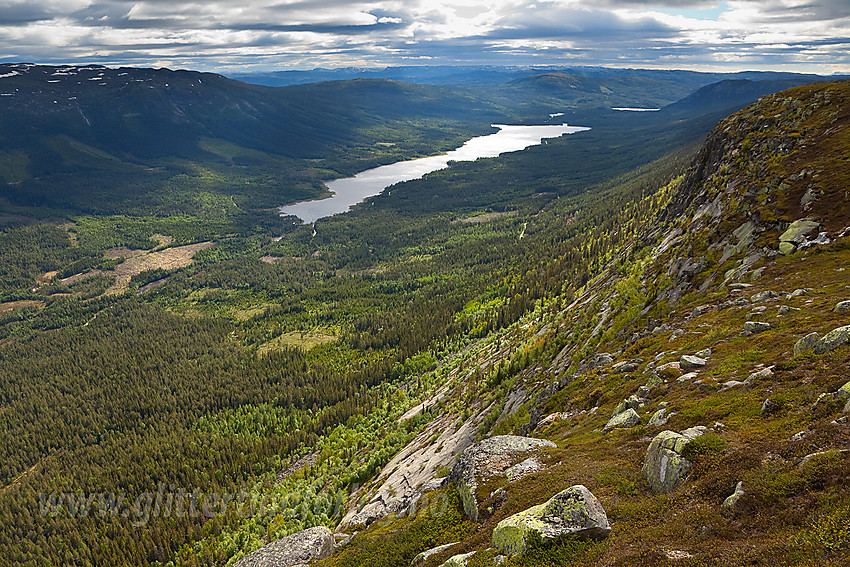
x: 22, y: 304
x: 141, y: 261
x: 304, y: 340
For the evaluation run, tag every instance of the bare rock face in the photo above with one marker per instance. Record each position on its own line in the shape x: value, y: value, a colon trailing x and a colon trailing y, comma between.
x: 573, y: 512
x: 487, y: 459
x: 313, y: 543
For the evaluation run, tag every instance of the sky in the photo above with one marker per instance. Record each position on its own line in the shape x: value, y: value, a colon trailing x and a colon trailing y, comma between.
x: 266, y: 35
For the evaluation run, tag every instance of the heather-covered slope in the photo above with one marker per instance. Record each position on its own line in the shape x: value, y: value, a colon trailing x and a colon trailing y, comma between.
x: 693, y: 325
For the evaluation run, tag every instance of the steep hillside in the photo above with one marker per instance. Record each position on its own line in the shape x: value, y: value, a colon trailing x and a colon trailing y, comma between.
x: 694, y: 326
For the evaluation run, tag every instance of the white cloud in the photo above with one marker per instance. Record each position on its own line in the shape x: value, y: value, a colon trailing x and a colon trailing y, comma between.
x: 809, y: 34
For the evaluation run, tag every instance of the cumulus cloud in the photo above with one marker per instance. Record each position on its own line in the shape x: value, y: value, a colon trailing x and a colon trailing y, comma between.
x: 800, y: 34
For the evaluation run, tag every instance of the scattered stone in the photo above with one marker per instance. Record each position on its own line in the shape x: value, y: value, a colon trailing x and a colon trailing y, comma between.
x: 783, y: 309
x: 659, y: 418
x: 764, y: 296
x: 704, y: 353
x: 768, y: 407
x: 732, y: 384
x: 664, y: 466
x: 676, y: 334
x: 313, y: 543
x: 700, y: 310
x: 763, y: 373
x: 628, y: 418
x: 523, y: 469
x: 486, y: 459
x: 632, y: 402
x: 677, y: 554
x: 663, y: 405
x: 755, y: 327
x: 669, y: 370
x: 643, y: 391
x: 808, y: 343
x: 842, y: 306
x: 552, y: 418
x: 739, y: 286
x: 625, y: 366
x: 756, y: 274
x: 732, y: 499
x: 574, y: 512
x: 796, y: 293
x: 458, y: 560
x: 499, y: 559
x: 688, y: 362
x: 423, y: 557
x: 833, y: 339
x: 798, y: 436
x: 686, y: 377
x: 842, y: 395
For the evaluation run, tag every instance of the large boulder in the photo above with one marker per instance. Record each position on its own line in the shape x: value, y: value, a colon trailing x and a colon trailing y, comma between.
x: 664, y: 466
x: 626, y: 419
x: 833, y: 339
x: 313, y: 543
x: 487, y: 459
x: 573, y: 512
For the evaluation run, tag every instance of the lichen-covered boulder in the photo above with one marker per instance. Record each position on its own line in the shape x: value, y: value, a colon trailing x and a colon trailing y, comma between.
x: 628, y: 418
x: 487, y: 459
x: 573, y: 512
x: 664, y: 466
x: 458, y: 560
x: 842, y: 395
x: 423, y: 557
x: 755, y: 327
x: 313, y: 543
x: 808, y: 343
x: 833, y: 339
x: 796, y: 234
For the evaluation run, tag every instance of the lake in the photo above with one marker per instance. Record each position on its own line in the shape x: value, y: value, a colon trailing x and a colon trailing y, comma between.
x: 352, y: 190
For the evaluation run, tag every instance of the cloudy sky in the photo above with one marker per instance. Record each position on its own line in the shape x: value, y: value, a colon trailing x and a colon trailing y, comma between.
x: 254, y: 35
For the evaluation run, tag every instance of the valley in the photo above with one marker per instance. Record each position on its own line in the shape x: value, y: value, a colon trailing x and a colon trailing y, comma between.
x: 163, y: 330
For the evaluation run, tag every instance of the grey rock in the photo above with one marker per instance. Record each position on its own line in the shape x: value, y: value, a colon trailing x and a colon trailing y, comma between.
x: 763, y: 373
x: 842, y: 395
x: 704, y: 353
x: 732, y: 499
x: 783, y: 309
x: 412, y: 503
x: 686, y: 377
x: 768, y: 407
x: 458, y: 560
x: 798, y: 436
x: 574, y: 512
x: 796, y: 293
x: 486, y: 459
x: 842, y: 306
x: 688, y: 362
x: 625, y: 366
x: 799, y: 230
x: 764, y: 296
x: 833, y: 339
x: 756, y: 327
x: 628, y: 418
x: 732, y: 384
x: 808, y: 343
x: 523, y: 469
x: 664, y: 466
x: 423, y: 557
x: 313, y: 543
x: 659, y: 418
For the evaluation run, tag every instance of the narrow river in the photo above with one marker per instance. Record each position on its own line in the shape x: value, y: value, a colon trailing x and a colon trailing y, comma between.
x: 352, y: 190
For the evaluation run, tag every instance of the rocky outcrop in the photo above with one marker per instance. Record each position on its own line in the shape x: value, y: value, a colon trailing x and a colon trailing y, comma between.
x: 487, y: 459
x: 313, y: 543
x: 573, y: 512
x: 664, y: 466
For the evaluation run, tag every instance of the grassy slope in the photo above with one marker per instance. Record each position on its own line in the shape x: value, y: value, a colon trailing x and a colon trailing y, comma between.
x: 791, y: 514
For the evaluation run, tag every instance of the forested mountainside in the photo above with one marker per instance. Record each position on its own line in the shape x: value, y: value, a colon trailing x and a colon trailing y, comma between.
x: 184, y: 389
